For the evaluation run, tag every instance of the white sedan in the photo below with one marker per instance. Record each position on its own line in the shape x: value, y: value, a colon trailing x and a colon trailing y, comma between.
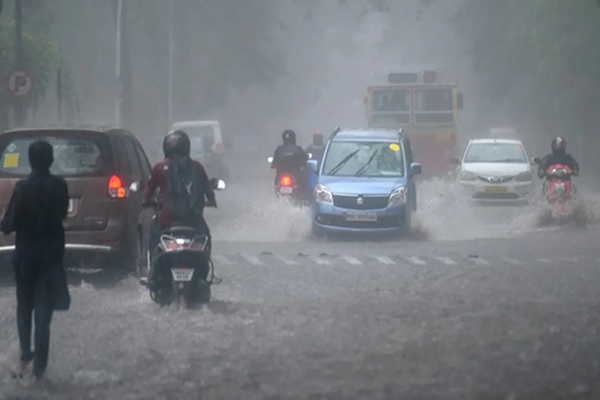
x: 496, y: 170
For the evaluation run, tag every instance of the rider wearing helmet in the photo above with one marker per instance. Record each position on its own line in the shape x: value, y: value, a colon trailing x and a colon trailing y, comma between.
x: 317, y: 147
x: 184, y: 189
x: 289, y: 158
x: 559, y: 155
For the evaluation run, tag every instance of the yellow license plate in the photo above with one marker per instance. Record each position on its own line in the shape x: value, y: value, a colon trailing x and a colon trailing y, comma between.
x: 496, y: 189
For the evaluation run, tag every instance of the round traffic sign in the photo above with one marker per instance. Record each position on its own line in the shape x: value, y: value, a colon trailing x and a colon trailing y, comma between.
x: 19, y: 83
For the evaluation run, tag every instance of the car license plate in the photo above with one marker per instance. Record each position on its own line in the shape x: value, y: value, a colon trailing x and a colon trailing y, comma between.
x: 286, y: 190
x: 182, y: 274
x: 71, y: 205
x: 359, y: 217
x: 496, y: 189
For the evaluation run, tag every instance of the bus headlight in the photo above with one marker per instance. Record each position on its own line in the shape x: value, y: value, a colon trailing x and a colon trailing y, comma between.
x: 397, y: 197
x: 323, y: 194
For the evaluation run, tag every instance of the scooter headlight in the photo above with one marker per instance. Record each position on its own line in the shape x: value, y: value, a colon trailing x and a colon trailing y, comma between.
x: 323, y: 194
x: 398, y: 197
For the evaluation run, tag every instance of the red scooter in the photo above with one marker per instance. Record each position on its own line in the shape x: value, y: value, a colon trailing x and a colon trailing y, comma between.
x: 558, y: 188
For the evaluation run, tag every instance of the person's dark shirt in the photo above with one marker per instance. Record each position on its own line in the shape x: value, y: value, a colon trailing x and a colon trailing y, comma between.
x: 36, y: 210
x: 552, y: 159
x: 289, y: 157
x: 159, y: 180
x: 317, y: 151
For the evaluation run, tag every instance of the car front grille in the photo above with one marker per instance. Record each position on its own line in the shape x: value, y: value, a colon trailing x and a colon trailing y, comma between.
x: 496, y: 196
x: 368, y: 202
x: 339, y: 221
x: 495, y: 179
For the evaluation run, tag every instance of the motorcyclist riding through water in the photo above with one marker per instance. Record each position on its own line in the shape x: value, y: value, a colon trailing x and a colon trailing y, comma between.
x: 290, y: 158
x: 317, y: 147
x: 184, y: 189
x: 559, y: 155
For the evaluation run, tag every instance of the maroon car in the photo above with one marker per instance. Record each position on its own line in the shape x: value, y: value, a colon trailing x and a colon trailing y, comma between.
x: 106, y: 171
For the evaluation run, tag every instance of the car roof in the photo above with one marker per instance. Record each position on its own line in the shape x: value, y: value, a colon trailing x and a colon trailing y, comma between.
x: 367, y: 135
x: 106, y: 129
x: 493, y: 140
x: 183, y: 124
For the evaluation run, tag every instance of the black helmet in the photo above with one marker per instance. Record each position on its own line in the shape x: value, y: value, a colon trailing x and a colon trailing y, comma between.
x: 176, y: 142
x: 289, y: 136
x: 559, y: 145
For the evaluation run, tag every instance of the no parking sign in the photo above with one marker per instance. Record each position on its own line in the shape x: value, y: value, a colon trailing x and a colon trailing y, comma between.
x: 19, y: 83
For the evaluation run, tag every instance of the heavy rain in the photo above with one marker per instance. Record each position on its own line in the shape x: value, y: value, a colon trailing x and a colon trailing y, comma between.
x: 483, y: 282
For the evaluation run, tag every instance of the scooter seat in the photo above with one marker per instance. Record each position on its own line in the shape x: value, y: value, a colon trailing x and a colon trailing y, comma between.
x: 182, y: 229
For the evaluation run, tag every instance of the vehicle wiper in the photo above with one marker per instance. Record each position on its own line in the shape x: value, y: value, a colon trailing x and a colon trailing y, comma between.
x: 364, y: 167
x: 342, y: 163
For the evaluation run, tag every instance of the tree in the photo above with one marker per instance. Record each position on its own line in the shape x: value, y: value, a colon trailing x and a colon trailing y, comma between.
x: 543, y: 55
x: 39, y: 58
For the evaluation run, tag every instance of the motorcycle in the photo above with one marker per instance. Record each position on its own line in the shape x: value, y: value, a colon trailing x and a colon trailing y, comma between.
x: 180, y: 268
x: 287, y: 186
x: 558, y: 188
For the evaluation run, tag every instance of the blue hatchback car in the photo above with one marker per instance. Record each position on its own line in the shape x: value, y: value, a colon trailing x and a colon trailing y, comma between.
x: 364, y: 183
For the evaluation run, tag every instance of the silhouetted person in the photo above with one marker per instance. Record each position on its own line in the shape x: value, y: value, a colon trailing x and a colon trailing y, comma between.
x: 36, y: 210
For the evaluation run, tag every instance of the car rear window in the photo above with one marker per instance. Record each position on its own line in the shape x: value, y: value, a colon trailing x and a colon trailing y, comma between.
x: 76, y: 153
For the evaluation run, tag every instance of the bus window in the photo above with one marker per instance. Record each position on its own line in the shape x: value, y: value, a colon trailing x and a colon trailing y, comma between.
x: 391, y: 106
x: 434, y: 106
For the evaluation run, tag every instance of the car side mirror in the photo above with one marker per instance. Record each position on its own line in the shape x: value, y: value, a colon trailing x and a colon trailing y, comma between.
x: 536, y: 160
x: 415, y: 168
x: 313, y: 165
x: 455, y: 160
x: 217, y: 184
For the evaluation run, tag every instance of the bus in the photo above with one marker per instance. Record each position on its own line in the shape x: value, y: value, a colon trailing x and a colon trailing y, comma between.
x: 425, y: 103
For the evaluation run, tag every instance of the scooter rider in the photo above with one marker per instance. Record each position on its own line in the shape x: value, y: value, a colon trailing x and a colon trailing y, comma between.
x: 290, y: 158
x: 184, y: 189
x: 317, y: 147
x: 559, y: 155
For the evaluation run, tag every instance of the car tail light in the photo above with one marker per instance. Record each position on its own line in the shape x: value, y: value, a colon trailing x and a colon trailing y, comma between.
x: 115, y: 188
x: 286, y: 180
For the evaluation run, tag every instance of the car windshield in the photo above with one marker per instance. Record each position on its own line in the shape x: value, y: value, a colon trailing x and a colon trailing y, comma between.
x: 200, y: 137
x: 366, y: 159
x: 75, y: 154
x: 495, y: 153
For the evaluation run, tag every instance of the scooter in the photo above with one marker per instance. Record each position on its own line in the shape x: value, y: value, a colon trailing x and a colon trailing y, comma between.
x: 286, y: 186
x: 180, y: 268
x: 558, y: 188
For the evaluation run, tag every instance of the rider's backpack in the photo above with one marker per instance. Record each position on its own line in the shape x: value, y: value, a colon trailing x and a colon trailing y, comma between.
x: 185, y: 191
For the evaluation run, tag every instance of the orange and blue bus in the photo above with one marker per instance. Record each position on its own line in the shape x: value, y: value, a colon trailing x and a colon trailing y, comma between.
x: 425, y: 104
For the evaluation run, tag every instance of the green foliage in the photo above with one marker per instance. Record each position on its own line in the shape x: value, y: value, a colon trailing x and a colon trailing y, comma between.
x: 551, y: 46
x: 39, y: 60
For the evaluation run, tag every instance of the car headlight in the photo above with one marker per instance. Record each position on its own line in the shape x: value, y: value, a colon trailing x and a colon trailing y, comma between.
x: 467, y: 176
x: 397, y: 197
x: 524, y: 177
x: 323, y: 194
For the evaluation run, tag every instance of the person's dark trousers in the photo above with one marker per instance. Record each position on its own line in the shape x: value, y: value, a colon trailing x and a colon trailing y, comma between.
x: 34, y: 299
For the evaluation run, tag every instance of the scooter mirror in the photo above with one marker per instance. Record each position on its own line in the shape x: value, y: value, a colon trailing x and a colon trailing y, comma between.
x: 218, y: 184
x: 270, y: 160
x: 536, y: 160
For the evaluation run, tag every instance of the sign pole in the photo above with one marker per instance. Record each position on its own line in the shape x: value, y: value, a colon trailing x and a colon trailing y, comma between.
x: 18, y: 102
